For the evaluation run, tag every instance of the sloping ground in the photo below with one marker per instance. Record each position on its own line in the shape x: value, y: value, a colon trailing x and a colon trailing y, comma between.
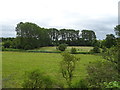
x: 78, y: 48
x: 14, y: 65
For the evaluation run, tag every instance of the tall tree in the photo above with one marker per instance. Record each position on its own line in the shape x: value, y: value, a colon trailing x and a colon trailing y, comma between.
x: 88, y: 36
x: 113, y: 54
x: 110, y: 40
x: 69, y: 36
x: 63, y: 34
x: 67, y: 67
x: 117, y: 30
x: 31, y: 35
x: 54, y: 35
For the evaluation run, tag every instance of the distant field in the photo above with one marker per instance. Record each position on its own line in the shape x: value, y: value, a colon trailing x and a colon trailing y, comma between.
x: 78, y: 48
x: 14, y: 64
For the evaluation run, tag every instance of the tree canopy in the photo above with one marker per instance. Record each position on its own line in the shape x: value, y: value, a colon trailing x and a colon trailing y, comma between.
x: 117, y: 30
x: 30, y: 36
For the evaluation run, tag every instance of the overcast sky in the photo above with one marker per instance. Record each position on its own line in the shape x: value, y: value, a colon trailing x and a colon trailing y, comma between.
x: 100, y: 16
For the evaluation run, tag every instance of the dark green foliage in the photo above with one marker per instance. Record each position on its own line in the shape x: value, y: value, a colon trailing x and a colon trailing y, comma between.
x: 109, y: 41
x: 54, y: 35
x: 117, y: 30
x: 104, y: 49
x: 35, y: 36
x: 3, y: 49
x: 7, y: 44
x: 113, y: 55
x: 69, y: 36
x: 81, y: 84
x: 100, y: 72
x: 4, y: 39
x: 88, y: 36
x: 36, y: 79
x: 62, y: 47
x: 96, y: 43
x: 67, y: 66
x: 95, y: 50
x: 103, y: 43
x: 73, y: 51
x: 30, y: 36
x: 27, y: 47
x: 118, y: 55
x: 17, y: 43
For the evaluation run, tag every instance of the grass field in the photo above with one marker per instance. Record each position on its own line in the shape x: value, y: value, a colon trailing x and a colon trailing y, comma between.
x: 78, y: 48
x: 14, y: 65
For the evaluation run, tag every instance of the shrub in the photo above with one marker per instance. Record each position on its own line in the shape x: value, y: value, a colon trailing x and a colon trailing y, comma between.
x: 81, y: 84
x: 3, y: 49
x: 73, y: 51
x: 36, y: 79
x: 100, y: 72
x: 95, y: 50
x: 113, y: 55
x: 62, y: 47
x: 26, y: 47
x: 7, y: 44
x: 67, y: 66
x: 104, y: 49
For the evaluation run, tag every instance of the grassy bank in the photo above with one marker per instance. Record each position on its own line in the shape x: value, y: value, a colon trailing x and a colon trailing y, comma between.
x: 14, y: 64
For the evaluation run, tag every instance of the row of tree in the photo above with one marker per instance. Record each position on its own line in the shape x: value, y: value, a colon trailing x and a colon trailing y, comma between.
x: 30, y: 35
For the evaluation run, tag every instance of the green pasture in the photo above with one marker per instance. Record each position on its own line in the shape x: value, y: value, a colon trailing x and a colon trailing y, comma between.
x: 14, y: 65
x: 78, y: 48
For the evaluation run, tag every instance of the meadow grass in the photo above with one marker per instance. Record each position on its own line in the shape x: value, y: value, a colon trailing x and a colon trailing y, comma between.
x: 14, y: 65
x: 78, y: 48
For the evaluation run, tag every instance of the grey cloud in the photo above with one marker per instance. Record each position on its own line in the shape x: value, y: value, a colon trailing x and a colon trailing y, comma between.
x: 8, y: 31
x: 101, y: 26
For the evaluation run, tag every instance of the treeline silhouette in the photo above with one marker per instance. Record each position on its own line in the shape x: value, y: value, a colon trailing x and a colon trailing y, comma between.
x: 30, y: 36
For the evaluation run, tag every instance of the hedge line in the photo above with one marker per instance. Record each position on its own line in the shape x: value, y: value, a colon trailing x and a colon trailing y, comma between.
x: 44, y: 51
x: 19, y: 50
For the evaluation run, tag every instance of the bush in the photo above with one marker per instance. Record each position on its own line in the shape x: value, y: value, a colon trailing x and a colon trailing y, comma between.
x: 7, y: 44
x: 3, y: 49
x: 104, y: 49
x: 95, y: 50
x: 36, y: 79
x: 113, y: 55
x: 73, y: 51
x: 81, y: 84
x: 96, y: 43
x: 67, y: 67
x: 100, y: 72
x: 62, y: 47
x: 27, y: 47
